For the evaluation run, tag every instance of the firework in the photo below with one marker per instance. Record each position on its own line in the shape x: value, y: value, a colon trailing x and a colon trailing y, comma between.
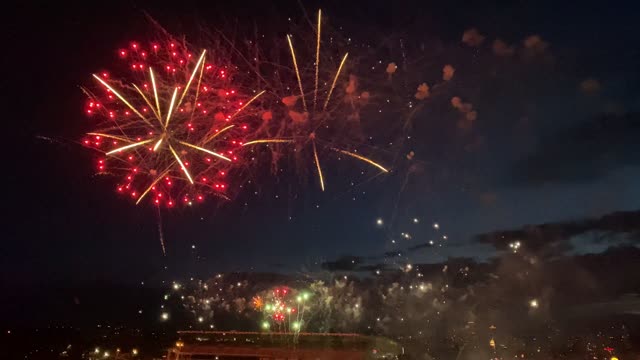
x: 171, y: 126
x: 284, y: 309
x: 315, y: 116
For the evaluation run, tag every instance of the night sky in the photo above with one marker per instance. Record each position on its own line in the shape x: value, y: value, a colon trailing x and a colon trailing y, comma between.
x: 542, y: 149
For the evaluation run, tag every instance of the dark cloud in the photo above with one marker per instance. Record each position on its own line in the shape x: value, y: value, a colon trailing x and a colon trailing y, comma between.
x: 585, y: 152
x: 344, y: 263
x: 554, y: 238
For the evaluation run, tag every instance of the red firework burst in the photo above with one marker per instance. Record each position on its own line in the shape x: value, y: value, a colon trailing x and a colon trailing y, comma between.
x: 171, y: 126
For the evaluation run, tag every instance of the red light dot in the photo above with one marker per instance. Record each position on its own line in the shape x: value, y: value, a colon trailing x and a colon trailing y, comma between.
x: 135, y: 170
x: 123, y: 53
x: 172, y: 45
x: 144, y: 54
x: 222, y: 173
x: 160, y: 195
x: 155, y: 47
x: 232, y: 91
x: 88, y: 111
x: 244, y: 127
x: 130, y: 157
x: 104, y: 74
x: 169, y: 183
x: 199, y: 197
x: 120, y: 189
x: 157, y: 201
x: 133, y: 194
x: 129, y: 177
x: 174, y: 53
x: 186, y: 163
x: 134, y: 45
x: 86, y: 142
x: 204, y: 179
x: 170, y: 203
x: 222, y: 186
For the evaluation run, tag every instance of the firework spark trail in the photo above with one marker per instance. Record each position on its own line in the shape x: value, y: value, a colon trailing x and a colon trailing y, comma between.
x: 120, y: 138
x: 173, y: 100
x: 155, y: 94
x: 315, y: 156
x: 215, y: 134
x: 193, y: 74
x: 129, y: 146
x: 161, y: 233
x: 335, y: 79
x: 205, y: 150
x: 122, y: 99
x: 295, y: 65
x: 147, y: 101
x: 267, y: 141
x: 152, y: 185
x: 247, y: 104
x: 360, y: 157
x: 315, y: 91
x: 186, y: 172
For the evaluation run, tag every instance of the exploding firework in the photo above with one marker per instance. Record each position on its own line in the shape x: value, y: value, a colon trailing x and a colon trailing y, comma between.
x: 284, y: 309
x: 317, y: 105
x: 170, y: 127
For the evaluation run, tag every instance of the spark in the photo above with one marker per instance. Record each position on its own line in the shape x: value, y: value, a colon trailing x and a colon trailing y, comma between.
x: 147, y: 101
x: 180, y: 162
x: 218, y: 133
x: 173, y: 100
x: 110, y: 136
x: 360, y: 157
x: 155, y: 93
x: 295, y: 65
x: 151, y: 186
x: 193, y: 74
x: 157, y: 145
x: 121, y: 98
x: 205, y: 150
x: 129, y: 146
x: 315, y: 91
x: 247, y: 104
x: 335, y: 79
x: 315, y: 155
x: 265, y: 141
